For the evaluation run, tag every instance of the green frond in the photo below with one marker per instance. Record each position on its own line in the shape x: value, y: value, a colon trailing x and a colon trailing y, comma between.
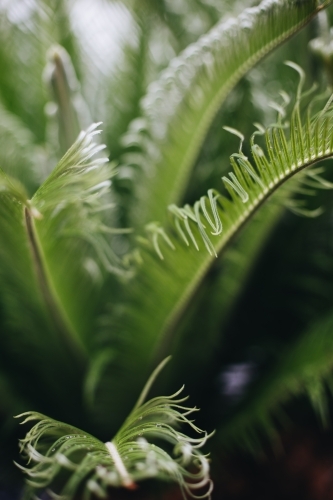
x: 53, y: 257
x: 81, y: 327
x: 72, y: 233
x: 304, y: 367
x: 214, y: 308
x: 214, y: 305
x: 65, y: 460
x: 179, y: 108
x: 198, y: 233
x: 305, y: 143
x: 23, y: 307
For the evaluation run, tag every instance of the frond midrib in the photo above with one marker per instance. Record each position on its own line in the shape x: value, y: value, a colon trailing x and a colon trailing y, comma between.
x: 56, y: 310
x: 202, y: 129
x: 168, y: 172
x: 170, y: 324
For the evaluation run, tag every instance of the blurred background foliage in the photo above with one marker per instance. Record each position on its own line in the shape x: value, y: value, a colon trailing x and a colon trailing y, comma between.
x: 115, y: 50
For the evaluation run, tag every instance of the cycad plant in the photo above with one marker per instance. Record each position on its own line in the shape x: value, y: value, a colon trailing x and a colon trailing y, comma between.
x: 122, y: 255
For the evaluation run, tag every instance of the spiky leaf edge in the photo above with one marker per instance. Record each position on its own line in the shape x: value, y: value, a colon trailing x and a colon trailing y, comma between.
x: 179, y: 108
x: 64, y: 216
x: 183, y: 267
x: 52, y: 447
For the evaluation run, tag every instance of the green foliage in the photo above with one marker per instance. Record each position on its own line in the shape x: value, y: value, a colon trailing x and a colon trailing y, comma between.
x: 181, y: 105
x: 48, y: 255
x: 54, y: 447
x: 105, y: 271
x: 198, y: 234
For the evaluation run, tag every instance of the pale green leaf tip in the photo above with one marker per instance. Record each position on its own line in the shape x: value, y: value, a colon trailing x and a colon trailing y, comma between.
x: 54, y: 449
x: 251, y: 183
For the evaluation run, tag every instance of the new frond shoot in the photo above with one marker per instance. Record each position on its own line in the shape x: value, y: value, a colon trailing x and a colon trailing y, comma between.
x: 57, y: 246
x: 296, y: 142
x: 64, y: 460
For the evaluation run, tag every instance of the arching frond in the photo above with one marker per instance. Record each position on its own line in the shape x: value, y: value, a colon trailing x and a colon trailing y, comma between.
x: 209, y: 226
x: 71, y: 202
x: 211, y: 310
x: 66, y: 460
x: 53, y: 256
x: 179, y: 108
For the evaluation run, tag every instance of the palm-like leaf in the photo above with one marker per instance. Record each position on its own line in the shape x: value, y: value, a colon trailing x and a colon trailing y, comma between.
x: 54, y: 249
x: 220, y: 292
x: 214, y: 305
x: 55, y: 252
x: 54, y: 447
x: 181, y: 105
x: 210, y: 225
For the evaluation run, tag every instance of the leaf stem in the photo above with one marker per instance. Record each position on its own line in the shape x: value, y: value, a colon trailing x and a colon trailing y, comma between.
x: 169, y: 329
x: 58, y: 316
x: 119, y: 465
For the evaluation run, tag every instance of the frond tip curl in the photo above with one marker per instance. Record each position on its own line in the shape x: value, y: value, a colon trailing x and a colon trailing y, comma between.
x: 294, y: 144
x: 64, y: 460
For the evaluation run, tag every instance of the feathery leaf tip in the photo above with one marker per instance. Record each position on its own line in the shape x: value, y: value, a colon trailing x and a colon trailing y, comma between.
x: 297, y: 141
x: 65, y: 460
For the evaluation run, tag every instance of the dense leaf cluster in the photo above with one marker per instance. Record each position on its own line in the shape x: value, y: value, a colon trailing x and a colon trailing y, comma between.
x: 125, y: 253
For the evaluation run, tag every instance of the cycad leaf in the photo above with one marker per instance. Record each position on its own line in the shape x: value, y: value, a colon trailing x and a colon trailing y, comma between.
x: 52, y: 258
x: 66, y: 459
x: 165, y: 287
x: 216, y: 303
x: 71, y: 232
x: 303, y: 368
x: 24, y: 308
x: 219, y: 293
x: 181, y: 105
